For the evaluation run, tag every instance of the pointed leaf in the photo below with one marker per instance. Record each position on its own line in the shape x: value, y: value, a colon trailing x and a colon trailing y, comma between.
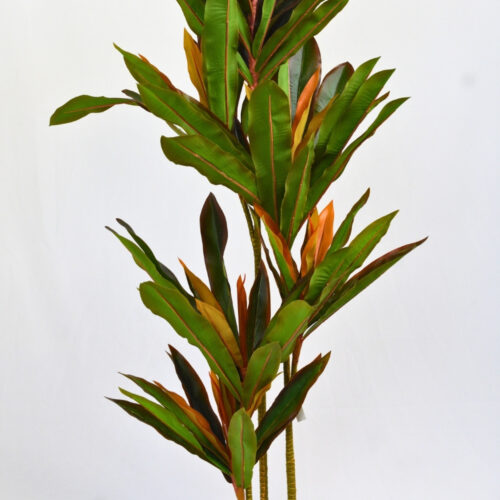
x: 262, y: 369
x: 288, y: 403
x: 308, y: 19
x: 219, y: 50
x: 193, y: 11
x: 213, y: 228
x: 199, y: 289
x: 84, y: 105
x: 169, y: 304
x: 259, y: 310
x: 195, y: 66
x: 343, y: 233
x: 195, y: 391
x: 266, y: 17
x: 270, y: 143
x: 211, y: 161
x: 333, y: 84
x: 287, y: 325
x: 243, y: 445
x: 296, y: 189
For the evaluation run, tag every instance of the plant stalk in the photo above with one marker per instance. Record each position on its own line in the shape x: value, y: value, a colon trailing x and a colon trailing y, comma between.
x: 249, y: 495
x: 290, y: 453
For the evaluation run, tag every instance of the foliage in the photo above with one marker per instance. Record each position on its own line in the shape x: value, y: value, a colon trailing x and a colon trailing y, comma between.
x: 269, y: 128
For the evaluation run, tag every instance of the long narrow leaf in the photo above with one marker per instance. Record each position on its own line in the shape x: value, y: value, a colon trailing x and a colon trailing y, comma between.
x: 243, y: 445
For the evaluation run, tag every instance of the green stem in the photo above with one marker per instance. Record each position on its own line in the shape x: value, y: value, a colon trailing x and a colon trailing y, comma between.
x: 263, y: 473
x: 254, y: 232
x: 249, y: 493
x: 290, y: 453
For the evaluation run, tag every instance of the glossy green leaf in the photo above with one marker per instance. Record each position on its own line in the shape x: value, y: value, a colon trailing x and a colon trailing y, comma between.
x: 173, y: 406
x: 144, y: 72
x: 243, y: 446
x: 358, y: 109
x: 270, y: 136
x: 341, y: 104
x: 178, y: 108
x: 193, y: 11
x: 332, y: 85
x: 308, y: 19
x: 341, y: 236
x: 219, y: 49
x: 195, y: 391
x: 287, y: 325
x: 169, y: 304
x: 213, y: 228
x: 167, y: 418
x: 288, y: 403
x: 357, y: 283
x: 335, y: 169
x: 140, y: 413
x: 296, y: 190
x: 218, y: 166
x: 266, y: 16
x: 261, y: 371
x: 301, y: 67
x: 84, y: 105
x: 259, y: 309
x: 337, y: 266
x: 146, y: 260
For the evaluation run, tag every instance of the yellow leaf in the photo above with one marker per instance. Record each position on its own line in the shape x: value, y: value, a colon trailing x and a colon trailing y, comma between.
x: 217, y: 319
x: 195, y: 66
x: 200, y: 288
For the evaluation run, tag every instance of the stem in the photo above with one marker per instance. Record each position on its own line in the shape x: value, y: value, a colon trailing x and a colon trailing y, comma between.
x: 255, y: 239
x: 264, y: 490
x: 249, y: 495
x: 290, y: 454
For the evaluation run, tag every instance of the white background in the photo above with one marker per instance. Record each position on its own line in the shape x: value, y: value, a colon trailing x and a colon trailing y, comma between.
x: 408, y: 407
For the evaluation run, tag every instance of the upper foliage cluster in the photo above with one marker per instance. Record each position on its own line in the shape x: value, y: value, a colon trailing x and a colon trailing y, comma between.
x: 267, y: 126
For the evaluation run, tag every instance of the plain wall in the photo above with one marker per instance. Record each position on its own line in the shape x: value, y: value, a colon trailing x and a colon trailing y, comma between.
x: 408, y: 407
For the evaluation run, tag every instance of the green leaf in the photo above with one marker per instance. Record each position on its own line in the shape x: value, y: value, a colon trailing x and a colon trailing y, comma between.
x: 169, y: 304
x: 219, y: 49
x: 175, y: 107
x: 140, y: 413
x: 173, y: 406
x: 270, y: 136
x: 167, y: 418
x: 218, y: 166
x: 259, y: 309
x: 335, y: 169
x: 213, y: 228
x: 308, y: 19
x: 266, y: 17
x: 287, y: 325
x: 261, y: 371
x: 341, y: 236
x: 296, y: 189
x: 341, y: 104
x: 362, y: 280
x: 195, y: 391
x: 332, y: 85
x: 338, y: 266
x: 301, y: 67
x: 144, y: 72
x: 84, y: 105
x: 288, y: 403
x: 193, y: 11
x: 243, y: 445
x: 145, y: 259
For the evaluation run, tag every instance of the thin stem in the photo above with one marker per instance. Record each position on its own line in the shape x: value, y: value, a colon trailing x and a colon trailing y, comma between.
x: 290, y: 453
x: 249, y: 495
x: 263, y: 472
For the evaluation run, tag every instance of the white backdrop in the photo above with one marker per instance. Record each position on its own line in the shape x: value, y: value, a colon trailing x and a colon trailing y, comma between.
x: 408, y: 407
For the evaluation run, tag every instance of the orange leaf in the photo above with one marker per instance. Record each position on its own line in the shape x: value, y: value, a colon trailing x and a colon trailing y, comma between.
x: 195, y: 66
x: 325, y: 236
x: 303, y: 107
x: 214, y: 381
x: 279, y: 238
x: 217, y: 319
x: 242, y: 316
x: 202, y: 290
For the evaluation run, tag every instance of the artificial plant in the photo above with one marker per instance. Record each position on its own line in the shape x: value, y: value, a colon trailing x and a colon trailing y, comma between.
x: 267, y: 126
